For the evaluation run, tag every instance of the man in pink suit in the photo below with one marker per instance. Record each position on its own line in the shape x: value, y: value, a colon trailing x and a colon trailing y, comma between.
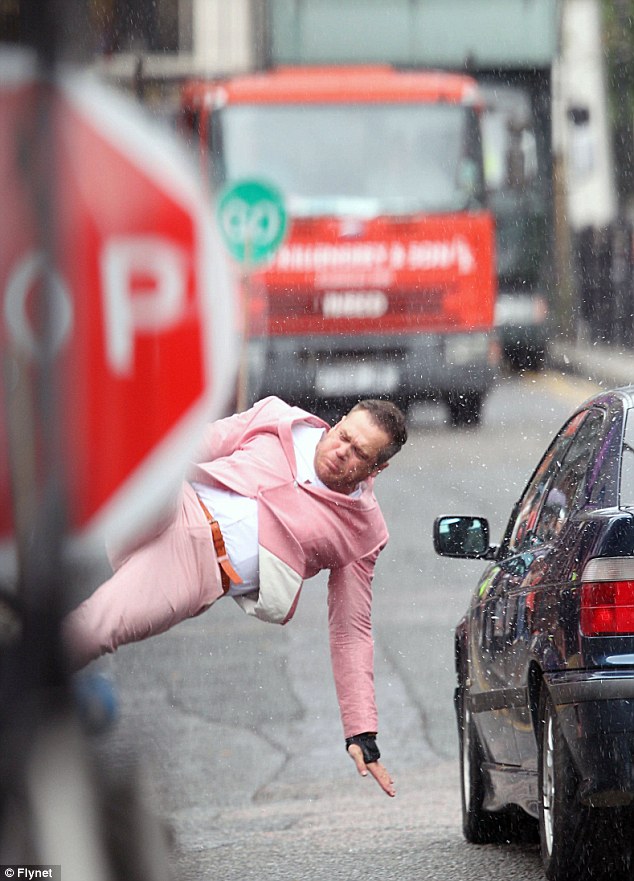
x: 274, y: 497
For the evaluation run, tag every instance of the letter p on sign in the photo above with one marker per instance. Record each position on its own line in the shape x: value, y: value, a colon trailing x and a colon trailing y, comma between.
x: 144, y: 283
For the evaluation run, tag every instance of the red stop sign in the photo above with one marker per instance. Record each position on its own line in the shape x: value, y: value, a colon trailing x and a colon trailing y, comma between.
x: 142, y: 305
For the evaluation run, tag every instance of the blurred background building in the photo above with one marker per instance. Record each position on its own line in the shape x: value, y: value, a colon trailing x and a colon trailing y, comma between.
x: 576, y: 58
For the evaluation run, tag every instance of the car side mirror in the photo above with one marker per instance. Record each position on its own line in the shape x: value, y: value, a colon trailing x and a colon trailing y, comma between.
x: 462, y: 537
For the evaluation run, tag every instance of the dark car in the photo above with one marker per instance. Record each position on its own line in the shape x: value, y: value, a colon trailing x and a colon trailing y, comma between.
x: 545, y: 654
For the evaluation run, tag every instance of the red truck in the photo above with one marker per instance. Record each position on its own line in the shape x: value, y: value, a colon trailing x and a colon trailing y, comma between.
x: 385, y: 284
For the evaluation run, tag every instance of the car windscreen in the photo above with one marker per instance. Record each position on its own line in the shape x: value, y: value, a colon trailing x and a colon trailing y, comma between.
x: 365, y: 159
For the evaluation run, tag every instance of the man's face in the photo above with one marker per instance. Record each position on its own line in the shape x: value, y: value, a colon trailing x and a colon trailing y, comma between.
x: 347, y: 454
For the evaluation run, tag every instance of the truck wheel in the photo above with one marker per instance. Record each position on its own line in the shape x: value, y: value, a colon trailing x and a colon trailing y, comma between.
x: 520, y: 358
x: 465, y: 408
x: 478, y: 826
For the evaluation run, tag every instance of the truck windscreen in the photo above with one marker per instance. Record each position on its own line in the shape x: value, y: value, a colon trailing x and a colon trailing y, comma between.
x: 516, y: 177
x: 359, y: 159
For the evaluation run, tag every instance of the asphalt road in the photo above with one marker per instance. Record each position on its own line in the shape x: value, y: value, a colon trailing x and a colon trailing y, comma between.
x: 236, y: 722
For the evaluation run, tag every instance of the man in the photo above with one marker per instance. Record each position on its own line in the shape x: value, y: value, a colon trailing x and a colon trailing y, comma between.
x: 283, y: 496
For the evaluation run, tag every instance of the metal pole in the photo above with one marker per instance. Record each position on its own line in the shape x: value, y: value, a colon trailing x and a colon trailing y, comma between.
x: 41, y: 524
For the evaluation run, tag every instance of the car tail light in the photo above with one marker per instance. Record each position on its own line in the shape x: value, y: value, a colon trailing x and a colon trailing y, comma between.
x: 607, y: 597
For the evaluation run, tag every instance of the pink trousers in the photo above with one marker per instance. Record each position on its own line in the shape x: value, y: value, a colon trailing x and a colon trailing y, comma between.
x: 171, y: 576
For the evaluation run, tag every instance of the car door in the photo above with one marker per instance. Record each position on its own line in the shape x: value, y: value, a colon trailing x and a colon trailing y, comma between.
x: 487, y: 667
x: 497, y: 616
x: 491, y: 691
x: 538, y: 624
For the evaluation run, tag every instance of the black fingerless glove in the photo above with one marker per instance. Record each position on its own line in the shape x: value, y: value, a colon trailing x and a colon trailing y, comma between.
x: 367, y: 742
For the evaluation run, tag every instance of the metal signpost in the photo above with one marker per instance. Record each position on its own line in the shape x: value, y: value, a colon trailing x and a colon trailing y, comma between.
x: 118, y: 341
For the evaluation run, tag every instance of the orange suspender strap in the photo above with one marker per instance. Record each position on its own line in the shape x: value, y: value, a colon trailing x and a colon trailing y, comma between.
x: 221, y: 552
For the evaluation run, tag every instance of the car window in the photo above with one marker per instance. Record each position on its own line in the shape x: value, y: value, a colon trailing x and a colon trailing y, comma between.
x: 521, y: 530
x: 627, y: 462
x: 602, y: 484
x: 568, y: 489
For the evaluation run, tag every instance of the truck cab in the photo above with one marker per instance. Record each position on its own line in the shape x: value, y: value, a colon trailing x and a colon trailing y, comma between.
x: 385, y: 284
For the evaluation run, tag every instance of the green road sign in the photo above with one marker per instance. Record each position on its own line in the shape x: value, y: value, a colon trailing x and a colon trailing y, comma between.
x: 252, y: 220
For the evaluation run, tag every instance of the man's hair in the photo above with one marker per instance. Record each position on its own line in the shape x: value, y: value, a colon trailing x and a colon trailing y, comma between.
x: 391, y: 419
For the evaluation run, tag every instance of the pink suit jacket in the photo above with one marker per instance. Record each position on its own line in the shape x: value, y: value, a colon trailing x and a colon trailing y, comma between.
x: 303, y: 529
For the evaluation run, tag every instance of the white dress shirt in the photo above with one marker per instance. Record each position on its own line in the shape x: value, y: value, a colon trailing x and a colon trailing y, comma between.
x: 237, y: 515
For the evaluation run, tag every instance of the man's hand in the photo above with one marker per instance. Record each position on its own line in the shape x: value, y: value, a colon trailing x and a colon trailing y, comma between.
x: 365, y: 754
x: 378, y: 771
